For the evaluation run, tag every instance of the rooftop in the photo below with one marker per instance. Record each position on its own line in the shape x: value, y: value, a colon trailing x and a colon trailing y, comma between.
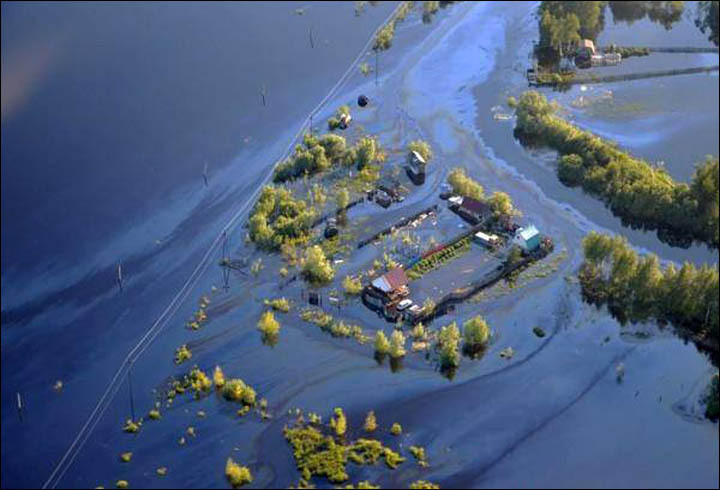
x: 392, y: 280
x: 528, y: 232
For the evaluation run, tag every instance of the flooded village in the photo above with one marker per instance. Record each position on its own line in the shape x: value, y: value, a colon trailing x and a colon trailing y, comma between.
x: 467, y: 267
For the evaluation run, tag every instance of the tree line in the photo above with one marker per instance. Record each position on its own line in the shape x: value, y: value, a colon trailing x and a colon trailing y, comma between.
x: 637, y: 288
x: 642, y: 195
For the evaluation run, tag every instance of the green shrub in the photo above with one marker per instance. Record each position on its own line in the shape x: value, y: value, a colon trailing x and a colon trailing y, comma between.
x: 237, y: 475
x: 279, y: 304
x: 315, y: 267
x: 448, y: 342
x: 382, y: 345
x: 370, y: 422
x: 476, y: 332
x: 397, y: 344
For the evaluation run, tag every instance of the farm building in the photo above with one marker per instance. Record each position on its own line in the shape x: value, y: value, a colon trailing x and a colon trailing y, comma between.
x: 416, y: 168
x: 472, y: 210
x: 386, y: 291
x: 528, y: 238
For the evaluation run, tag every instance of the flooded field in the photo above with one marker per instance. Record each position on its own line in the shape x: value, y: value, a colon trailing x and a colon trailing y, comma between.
x: 553, y: 413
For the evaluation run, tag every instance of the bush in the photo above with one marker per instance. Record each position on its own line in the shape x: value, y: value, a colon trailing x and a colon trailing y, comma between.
x: 278, y: 219
x: 352, y: 286
x: 384, y: 37
x: 420, y: 484
x: 570, y: 170
x: 280, y: 304
x: 382, y: 345
x: 370, y: 422
x: 339, y: 422
x: 236, y: 390
x: 268, y: 325
x: 182, y: 354
x: 218, y: 377
x: 396, y: 429
x: 237, y: 475
x: 315, y: 267
x: 476, y: 332
x: 448, y: 341
x: 464, y: 185
x: 397, y: 344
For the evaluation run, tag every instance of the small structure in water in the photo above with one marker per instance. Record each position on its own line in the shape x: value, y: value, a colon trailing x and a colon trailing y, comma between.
x: 607, y: 59
x: 416, y: 168
x: 387, y: 192
x: 331, y: 229
x: 527, y: 238
x: 345, y: 119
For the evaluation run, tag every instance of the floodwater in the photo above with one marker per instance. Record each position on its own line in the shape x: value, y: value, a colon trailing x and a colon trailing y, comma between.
x: 552, y: 415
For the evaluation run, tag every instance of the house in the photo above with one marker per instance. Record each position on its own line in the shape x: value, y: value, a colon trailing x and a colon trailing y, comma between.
x: 488, y: 240
x: 473, y: 211
x: 384, y: 292
x: 585, y: 49
x: 528, y: 238
x: 416, y: 168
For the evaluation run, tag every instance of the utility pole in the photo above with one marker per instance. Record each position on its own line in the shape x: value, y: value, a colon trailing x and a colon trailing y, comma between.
x: 376, y: 66
x: 226, y: 269
x: 263, y: 93
x: 132, y: 400
x: 20, y: 406
x: 312, y: 42
x: 119, y: 276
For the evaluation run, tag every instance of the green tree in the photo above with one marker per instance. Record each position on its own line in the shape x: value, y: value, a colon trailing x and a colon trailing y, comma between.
x: 315, y: 267
x: 476, y: 332
x: 382, y: 345
x: 448, y: 342
x: 397, y: 344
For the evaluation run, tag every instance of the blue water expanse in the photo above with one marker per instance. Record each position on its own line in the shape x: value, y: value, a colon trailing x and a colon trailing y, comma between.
x: 109, y: 113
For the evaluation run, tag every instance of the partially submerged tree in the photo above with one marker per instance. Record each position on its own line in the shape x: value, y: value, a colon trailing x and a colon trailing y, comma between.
x: 315, y: 267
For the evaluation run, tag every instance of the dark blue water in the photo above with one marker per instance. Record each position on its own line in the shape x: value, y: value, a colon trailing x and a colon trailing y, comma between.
x: 121, y: 105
